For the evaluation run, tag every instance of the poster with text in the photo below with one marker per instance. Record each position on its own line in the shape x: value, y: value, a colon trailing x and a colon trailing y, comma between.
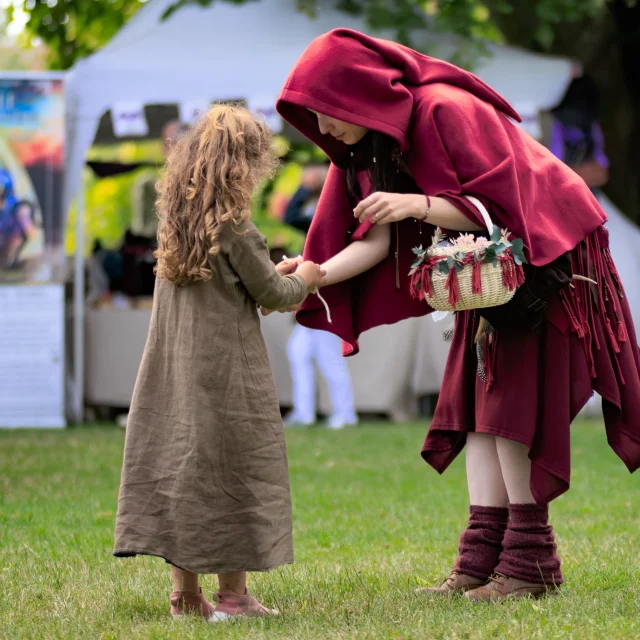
x: 32, y: 355
x: 31, y: 176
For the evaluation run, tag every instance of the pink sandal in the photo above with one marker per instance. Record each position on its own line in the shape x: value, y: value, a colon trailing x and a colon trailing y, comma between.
x: 189, y: 603
x: 230, y: 604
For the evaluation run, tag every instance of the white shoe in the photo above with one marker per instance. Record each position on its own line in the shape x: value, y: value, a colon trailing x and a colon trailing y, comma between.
x: 293, y: 422
x: 335, y: 422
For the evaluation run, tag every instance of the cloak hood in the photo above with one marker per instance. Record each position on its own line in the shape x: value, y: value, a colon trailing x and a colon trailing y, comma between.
x: 373, y: 89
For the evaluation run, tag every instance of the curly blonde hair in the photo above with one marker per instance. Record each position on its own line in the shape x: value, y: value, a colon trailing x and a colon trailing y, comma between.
x: 208, y: 182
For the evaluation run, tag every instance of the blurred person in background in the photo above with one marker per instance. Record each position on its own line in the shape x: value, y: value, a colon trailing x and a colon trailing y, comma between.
x: 575, y: 137
x: 170, y: 134
x: 307, y: 346
x: 18, y: 227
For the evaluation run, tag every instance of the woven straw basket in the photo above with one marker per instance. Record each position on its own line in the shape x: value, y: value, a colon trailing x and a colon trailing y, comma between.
x: 494, y: 292
x: 469, y: 282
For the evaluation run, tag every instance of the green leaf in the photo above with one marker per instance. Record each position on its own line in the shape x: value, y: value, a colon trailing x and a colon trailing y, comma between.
x: 517, y: 260
x: 496, y: 235
x: 450, y: 262
x: 443, y: 267
x: 459, y: 267
x: 518, y: 245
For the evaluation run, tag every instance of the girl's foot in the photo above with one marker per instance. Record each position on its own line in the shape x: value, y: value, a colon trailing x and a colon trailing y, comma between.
x: 456, y: 583
x: 502, y: 588
x: 229, y: 604
x: 188, y: 603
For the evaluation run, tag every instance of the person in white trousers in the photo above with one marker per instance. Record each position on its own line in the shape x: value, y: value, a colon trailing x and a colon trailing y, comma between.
x: 307, y: 347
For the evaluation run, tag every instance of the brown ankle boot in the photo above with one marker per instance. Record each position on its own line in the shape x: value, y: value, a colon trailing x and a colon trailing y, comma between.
x: 454, y: 584
x: 502, y: 588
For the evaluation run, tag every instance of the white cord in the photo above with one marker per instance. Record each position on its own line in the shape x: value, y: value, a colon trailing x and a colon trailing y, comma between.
x: 324, y: 302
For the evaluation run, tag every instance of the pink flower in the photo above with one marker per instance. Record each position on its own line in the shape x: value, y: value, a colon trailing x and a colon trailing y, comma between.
x: 465, y: 240
x: 482, y: 242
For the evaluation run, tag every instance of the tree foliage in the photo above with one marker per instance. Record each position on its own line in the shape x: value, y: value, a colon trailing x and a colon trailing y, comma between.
x: 601, y: 34
x: 75, y: 28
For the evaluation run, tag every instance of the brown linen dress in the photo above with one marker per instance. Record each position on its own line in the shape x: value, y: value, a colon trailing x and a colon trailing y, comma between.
x: 205, y: 482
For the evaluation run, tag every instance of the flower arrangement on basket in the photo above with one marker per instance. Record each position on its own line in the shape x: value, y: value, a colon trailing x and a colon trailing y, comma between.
x: 468, y: 272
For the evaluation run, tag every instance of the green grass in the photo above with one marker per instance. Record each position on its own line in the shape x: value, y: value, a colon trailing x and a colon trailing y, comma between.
x: 372, y: 522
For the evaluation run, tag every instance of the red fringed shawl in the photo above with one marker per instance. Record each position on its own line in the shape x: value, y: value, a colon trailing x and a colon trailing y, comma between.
x: 458, y: 137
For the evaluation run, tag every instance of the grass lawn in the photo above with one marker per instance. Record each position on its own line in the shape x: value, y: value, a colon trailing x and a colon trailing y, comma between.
x: 372, y: 522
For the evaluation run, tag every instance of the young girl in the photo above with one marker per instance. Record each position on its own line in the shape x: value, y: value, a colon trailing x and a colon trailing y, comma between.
x: 409, y: 137
x: 205, y: 482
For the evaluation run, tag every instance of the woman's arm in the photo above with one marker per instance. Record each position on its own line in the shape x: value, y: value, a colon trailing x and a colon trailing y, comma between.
x: 359, y: 256
x: 385, y: 208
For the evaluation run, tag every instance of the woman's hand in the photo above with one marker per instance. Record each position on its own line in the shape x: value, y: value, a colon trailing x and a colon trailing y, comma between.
x: 312, y: 273
x: 385, y: 208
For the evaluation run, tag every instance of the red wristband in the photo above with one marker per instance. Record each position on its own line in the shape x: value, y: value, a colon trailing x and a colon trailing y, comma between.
x: 428, y: 209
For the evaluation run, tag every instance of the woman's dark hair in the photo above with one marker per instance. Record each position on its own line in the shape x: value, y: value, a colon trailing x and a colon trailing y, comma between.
x: 378, y: 154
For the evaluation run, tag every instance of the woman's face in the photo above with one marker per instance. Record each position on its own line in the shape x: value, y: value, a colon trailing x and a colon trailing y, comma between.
x: 340, y: 130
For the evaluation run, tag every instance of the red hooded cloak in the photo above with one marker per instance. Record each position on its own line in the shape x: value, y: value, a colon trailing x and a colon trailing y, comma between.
x: 458, y: 137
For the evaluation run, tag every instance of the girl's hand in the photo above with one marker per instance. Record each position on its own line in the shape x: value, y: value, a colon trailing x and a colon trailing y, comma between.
x: 288, y: 266
x: 385, y: 208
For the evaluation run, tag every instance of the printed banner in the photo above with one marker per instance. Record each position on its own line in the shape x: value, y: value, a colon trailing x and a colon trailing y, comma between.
x: 31, y: 172
x: 32, y: 355
x: 32, y: 273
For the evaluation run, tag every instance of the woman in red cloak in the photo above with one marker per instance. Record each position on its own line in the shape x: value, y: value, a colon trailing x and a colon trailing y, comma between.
x: 409, y: 137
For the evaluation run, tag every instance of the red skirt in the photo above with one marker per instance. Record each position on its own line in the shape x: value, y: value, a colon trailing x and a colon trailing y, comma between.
x: 536, y: 384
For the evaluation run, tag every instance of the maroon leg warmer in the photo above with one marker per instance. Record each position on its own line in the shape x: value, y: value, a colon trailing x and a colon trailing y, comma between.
x: 481, y: 542
x: 529, y: 548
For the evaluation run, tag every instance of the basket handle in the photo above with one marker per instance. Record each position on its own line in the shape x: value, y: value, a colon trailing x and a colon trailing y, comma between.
x: 438, y: 316
x: 483, y: 212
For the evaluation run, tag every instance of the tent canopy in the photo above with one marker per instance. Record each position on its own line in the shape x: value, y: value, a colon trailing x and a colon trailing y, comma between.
x: 228, y: 52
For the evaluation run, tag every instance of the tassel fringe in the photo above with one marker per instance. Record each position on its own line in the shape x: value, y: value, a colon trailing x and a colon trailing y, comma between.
x: 453, y: 287
x: 583, y: 300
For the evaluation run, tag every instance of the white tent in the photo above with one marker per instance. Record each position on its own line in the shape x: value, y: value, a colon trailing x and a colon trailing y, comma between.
x: 244, y: 51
